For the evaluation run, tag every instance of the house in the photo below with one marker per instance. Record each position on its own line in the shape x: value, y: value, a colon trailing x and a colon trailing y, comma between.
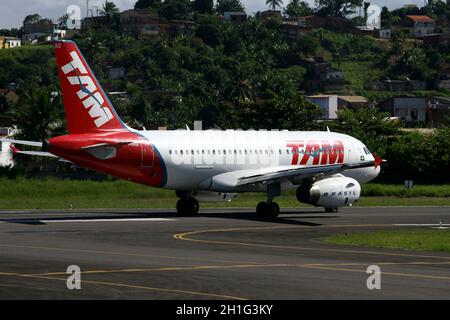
x: 40, y: 31
x: 437, y: 39
x: 409, y: 109
x: 235, y: 17
x: 92, y: 22
x: 293, y: 28
x: 140, y: 22
x: 352, y: 102
x: 6, y: 154
x: 271, y: 14
x: 327, y: 103
x: 332, y: 23
x: 396, y: 85
x: 178, y: 28
x: 9, y: 42
x: 418, y: 26
x: 443, y: 77
x: 404, y: 85
x: 383, y: 33
x: 442, y: 26
x: 438, y: 110
x: 322, y: 76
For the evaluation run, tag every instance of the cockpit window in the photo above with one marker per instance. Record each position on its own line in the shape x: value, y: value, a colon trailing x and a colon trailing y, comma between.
x: 366, y: 150
x: 350, y: 185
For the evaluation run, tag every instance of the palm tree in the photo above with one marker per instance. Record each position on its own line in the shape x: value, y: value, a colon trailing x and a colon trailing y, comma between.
x: 110, y: 11
x: 274, y: 3
x: 39, y: 112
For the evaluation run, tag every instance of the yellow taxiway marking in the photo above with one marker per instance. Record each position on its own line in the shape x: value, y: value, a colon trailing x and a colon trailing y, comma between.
x: 419, y: 263
x: 186, y: 236
x: 130, y: 286
x: 412, y: 275
x: 194, y: 268
x: 123, y: 253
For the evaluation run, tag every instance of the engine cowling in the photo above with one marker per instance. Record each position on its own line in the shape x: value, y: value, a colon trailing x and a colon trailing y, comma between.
x: 209, y: 196
x: 330, y: 192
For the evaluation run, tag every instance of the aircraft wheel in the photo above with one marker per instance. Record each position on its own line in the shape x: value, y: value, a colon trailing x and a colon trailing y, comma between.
x: 193, y: 206
x: 261, y: 209
x: 329, y: 210
x: 273, y: 210
x: 188, y: 206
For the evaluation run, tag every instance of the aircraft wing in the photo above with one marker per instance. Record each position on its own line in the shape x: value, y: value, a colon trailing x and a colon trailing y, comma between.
x: 299, y: 173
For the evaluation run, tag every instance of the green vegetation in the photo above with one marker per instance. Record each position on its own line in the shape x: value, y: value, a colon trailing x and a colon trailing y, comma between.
x: 390, y: 190
x: 415, y: 239
x: 62, y: 194
x: 357, y: 73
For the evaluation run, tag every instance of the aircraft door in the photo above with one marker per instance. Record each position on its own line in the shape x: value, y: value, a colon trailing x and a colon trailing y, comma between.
x: 148, y: 155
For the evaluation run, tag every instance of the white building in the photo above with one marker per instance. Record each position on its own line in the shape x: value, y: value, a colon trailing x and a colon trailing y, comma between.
x: 419, y: 26
x: 6, y: 154
x: 13, y: 42
x: 35, y: 37
x: 327, y: 103
x: 409, y: 109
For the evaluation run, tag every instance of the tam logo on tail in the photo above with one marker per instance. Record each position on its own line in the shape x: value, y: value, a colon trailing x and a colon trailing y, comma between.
x: 86, y: 105
x: 88, y: 93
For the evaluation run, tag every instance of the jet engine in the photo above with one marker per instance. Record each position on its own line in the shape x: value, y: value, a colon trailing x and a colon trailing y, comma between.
x: 209, y: 196
x: 332, y: 192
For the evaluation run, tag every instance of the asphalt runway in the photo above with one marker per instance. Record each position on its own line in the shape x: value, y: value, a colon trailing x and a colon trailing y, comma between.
x: 220, y: 254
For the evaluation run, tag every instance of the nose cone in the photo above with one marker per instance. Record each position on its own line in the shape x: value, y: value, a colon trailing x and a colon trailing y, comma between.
x: 373, y: 172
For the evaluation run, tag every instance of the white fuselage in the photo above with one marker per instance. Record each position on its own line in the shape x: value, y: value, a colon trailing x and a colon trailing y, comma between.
x: 193, y: 158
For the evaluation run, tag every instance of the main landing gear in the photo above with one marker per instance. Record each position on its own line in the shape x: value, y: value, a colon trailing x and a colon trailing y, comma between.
x: 269, y: 210
x: 187, y: 206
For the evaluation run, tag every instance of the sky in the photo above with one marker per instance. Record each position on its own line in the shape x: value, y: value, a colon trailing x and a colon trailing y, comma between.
x: 13, y: 12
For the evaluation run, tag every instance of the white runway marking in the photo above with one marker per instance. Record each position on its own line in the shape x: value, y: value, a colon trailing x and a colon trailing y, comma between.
x: 93, y: 220
x: 422, y: 225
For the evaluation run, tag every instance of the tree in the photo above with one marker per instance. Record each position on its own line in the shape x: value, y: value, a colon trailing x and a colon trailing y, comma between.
x: 274, y: 3
x: 368, y: 125
x: 175, y: 9
x: 203, y: 6
x: 32, y: 18
x: 145, y: 4
x: 297, y: 8
x: 110, y: 12
x: 109, y: 9
x: 229, y: 6
x: 39, y: 113
x: 337, y: 8
x: 209, y: 30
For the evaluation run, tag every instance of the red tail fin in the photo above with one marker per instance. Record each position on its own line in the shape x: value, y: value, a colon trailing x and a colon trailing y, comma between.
x: 86, y: 105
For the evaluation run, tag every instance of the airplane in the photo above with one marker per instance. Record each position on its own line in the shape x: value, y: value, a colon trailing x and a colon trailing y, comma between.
x: 326, y: 168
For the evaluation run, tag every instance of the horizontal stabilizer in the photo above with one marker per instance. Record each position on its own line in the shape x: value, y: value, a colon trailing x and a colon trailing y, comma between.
x: 23, y: 142
x: 36, y: 153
